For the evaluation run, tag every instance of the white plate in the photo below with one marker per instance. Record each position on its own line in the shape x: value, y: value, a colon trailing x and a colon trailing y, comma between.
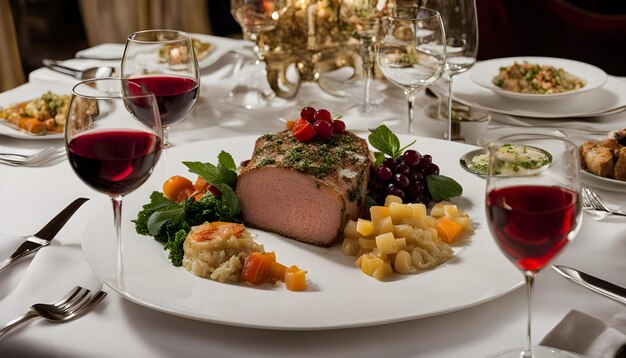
x: 595, y: 181
x: 27, y: 92
x: 483, y: 72
x: 610, y: 97
x: 338, y: 296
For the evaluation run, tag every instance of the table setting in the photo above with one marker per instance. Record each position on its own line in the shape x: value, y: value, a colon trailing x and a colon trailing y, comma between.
x: 539, y: 263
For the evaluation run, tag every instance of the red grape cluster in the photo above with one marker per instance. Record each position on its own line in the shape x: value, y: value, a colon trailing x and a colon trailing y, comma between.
x: 405, y: 176
x: 316, y: 123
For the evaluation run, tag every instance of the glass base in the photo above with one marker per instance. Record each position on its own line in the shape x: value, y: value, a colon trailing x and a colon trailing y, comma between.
x: 538, y: 352
x: 361, y: 117
x: 252, y: 89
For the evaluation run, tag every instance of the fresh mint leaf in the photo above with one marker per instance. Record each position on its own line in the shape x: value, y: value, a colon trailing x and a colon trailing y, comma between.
x: 226, y: 160
x: 383, y: 139
x: 380, y: 157
x: 229, y: 198
x: 173, y: 215
x: 207, y: 171
x: 442, y: 187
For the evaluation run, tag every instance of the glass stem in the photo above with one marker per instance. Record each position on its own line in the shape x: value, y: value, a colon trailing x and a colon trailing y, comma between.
x: 166, y: 131
x: 447, y: 132
x: 367, y: 54
x: 117, y: 219
x: 529, y: 276
x: 410, y: 98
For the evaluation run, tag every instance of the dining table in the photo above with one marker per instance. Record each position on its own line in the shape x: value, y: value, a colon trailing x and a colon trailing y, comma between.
x: 123, y: 327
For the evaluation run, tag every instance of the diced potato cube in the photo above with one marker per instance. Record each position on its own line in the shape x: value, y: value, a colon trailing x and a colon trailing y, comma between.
x: 401, y: 243
x: 448, y: 229
x: 295, y: 279
x: 399, y: 211
x: 405, y: 231
x: 392, y: 199
x: 370, y: 263
x: 363, y: 251
x: 465, y: 222
x: 419, y: 210
x: 349, y: 231
x: 368, y: 244
x: 350, y: 246
x: 383, y: 225
x: 437, y: 211
x: 386, y: 243
x: 364, y: 227
x: 383, y: 271
x: 379, y: 212
x: 451, y: 211
x: 431, y: 221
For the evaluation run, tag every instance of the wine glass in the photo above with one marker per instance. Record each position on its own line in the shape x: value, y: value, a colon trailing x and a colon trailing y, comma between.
x: 461, y: 26
x: 411, y: 53
x: 163, y: 62
x: 533, y: 208
x: 255, y: 17
x: 113, y: 142
x: 363, y: 17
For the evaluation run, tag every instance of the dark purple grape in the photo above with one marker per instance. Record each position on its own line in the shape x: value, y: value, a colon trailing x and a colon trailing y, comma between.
x: 411, y: 157
x: 389, y: 162
x: 375, y: 185
x: 426, y: 159
x: 399, y: 161
x: 384, y: 173
x: 402, y: 169
x: 433, y: 169
x: 415, y: 176
x: 394, y: 190
x: 401, y: 180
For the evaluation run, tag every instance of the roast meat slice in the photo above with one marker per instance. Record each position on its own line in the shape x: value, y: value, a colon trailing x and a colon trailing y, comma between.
x: 305, y: 191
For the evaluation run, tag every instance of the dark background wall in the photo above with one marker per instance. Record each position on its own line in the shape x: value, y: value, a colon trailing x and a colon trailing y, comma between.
x: 592, y: 31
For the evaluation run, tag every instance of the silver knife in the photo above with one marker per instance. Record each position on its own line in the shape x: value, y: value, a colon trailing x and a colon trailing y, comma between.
x: 598, y: 285
x: 45, y: 235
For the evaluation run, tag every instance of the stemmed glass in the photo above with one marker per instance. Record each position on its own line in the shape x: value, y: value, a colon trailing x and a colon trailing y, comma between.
x: 163, y: 62
x: 411, y: 53
x: 255, y: 17
x: 461, y: 26
x: 533, y: 209
x: 113, y: 141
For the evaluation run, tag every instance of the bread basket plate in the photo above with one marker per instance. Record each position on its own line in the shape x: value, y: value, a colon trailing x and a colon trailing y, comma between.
x: 483, y: 72
x: 599, y: 182
x: 478, y: 273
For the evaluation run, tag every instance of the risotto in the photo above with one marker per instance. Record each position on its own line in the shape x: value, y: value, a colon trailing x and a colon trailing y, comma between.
x: 218, y: 250
x: 536, y: 79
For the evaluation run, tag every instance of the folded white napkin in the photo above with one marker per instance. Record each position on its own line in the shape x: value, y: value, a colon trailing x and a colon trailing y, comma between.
x: 589, y: 336
x: 106, y: 51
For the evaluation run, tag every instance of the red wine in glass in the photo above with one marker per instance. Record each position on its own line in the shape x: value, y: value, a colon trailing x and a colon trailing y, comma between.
x: 175, y: 95
x: 114, y: 162
x: 532, y: 223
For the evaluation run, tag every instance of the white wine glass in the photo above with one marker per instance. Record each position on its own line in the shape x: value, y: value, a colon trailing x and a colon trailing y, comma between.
x: 113, y: 141
x: 255, y: 18
x: 163, y: 62
x: 411, y: 53
x: 461, y: 25
x: 533, y: 210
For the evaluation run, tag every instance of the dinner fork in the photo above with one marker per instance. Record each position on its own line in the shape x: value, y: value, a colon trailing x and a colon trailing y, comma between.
x: 73, y: 305
x: 46, y: 156
x: 594, y: 203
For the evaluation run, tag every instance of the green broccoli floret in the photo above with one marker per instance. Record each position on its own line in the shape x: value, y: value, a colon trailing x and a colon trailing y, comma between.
x: 176, y: 247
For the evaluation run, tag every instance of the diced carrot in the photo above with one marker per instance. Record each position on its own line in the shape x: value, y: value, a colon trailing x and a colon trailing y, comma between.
x: 448, y: 229
x: 289, y: 124
x: 295, y: 279
x: 256, y: 269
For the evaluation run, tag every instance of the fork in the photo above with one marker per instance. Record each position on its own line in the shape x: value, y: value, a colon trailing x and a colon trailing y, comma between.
x: 593, y: 202
x: 46, y: 156
x: 73, y: 305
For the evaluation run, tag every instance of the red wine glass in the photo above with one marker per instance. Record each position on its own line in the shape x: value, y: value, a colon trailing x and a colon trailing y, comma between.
x: 533, y: 209
x: 163, y: 62
x: 113, y: 142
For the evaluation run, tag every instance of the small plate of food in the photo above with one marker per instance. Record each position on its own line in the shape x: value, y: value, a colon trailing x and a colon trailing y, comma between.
x: 603, y: 162
x: 537, y: 78
x: 35, y: 110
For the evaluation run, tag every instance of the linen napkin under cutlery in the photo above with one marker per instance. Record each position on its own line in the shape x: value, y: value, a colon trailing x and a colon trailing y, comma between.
x: 589, y: 336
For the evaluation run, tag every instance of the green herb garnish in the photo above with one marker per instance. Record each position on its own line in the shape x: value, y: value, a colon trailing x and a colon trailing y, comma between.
x: 386, y: 141
x: 442, y: 187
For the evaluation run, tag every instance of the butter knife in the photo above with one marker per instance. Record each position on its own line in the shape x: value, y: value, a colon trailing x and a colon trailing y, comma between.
x: 598, y: 285
x: 44, y: 236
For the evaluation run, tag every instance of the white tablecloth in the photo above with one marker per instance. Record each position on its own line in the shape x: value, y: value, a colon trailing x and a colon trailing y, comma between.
x: 120, y: 328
